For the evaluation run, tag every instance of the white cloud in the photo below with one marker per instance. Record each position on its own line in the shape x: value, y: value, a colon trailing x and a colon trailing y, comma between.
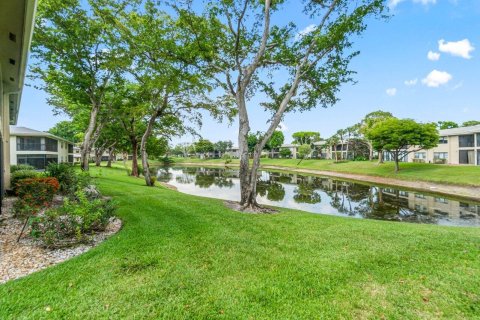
x: 425, y: 2
x: 410, y: 83
x: 391, y: 91
x: 282, y: 127
x: 460, y: 48
x: 306, y: 31
x: 393, y: 3
x: 437, y: 78
x: 434, y: 56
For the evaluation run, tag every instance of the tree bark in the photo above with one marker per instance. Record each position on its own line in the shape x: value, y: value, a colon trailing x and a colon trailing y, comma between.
x: 110, y: 156
x: 98, y: 156
x: 86, y: 145
x: 380, y: 157
x: 134, y: 143
x: 397, y: 165
x: 370, y: 150
x: 143, y: 148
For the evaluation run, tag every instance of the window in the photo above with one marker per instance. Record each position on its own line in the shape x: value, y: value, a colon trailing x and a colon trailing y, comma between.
x: 419, y: 196
x: 443, y: 140
x: 29, y: 144
x: 478, y: 139
x: 70, y: 148
x: 38, y: 161
x: 441, y: 200
x: 466, y: 141
x: 420, y: 155
x: 478, y: 157
x: 70, y: 158
x: 51, y: 145
x: 466, y: 157
x: 403, y: 194
x: 421, y: 209
x: 440, y: 155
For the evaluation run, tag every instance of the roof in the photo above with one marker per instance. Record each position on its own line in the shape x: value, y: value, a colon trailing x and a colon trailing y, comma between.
x: 24, y: 132
x: 460, y: 131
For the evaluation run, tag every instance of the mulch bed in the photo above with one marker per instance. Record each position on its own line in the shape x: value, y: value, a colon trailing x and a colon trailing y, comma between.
x: 18, y: 259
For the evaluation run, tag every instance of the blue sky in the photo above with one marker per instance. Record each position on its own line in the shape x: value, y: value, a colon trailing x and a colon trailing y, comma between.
x: 423, y: 63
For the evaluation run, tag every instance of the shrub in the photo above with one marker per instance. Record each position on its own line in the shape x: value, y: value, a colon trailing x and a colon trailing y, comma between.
x: 153, y: 179
x: 166, y: 161
x: 360, y: 158
x: 18, y: 167
x: 37, y: 192
x: 22, y: 174
x: 227, y: 158
x: 65, y: 174
x: 73, y: 221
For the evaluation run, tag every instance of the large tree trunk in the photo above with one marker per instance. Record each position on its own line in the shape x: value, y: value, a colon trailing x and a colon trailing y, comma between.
x: 397, y: 165
x: 98, y: 156
x: 380, y: 157
x: 86, y: 145
x: 143, y: 148
x: 134, y: 143
x: 370, y: 150
x: 110, y: 157
x: 243, y: 130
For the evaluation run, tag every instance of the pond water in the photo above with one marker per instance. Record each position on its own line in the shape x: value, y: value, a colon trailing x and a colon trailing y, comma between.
x: 326, y: 195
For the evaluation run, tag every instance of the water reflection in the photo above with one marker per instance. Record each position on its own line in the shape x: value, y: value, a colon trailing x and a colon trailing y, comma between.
x: 326, y: 195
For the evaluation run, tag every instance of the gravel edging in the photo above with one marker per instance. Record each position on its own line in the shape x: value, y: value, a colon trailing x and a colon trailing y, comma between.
x: 27, y: 256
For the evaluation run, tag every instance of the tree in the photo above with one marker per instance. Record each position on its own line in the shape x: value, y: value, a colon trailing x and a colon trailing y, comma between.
x: 76, y: 62
x: 223, y: 146
x: 204, y: 146
x: 276, y: 140
x: 367, y: 124
x: 252, y: 141
x: 285, y: 153
x: 401, y: 137
x: 442, y: 125
x: 66, y: 130
x: 305, y: 137
x: 304, y: 151
x: 316, y: 64
x: 163, y: 59
x: 470, y: 123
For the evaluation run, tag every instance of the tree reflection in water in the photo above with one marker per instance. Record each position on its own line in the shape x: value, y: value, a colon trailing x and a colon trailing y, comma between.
x: 336, y: 196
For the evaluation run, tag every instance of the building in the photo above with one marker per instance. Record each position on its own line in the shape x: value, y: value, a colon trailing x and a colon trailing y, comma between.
x: 38, y: 148
x: 456, y: 146
x: 16, y: 27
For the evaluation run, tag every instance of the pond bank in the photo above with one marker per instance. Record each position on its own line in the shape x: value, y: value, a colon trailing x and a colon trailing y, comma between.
x: 467, y: 192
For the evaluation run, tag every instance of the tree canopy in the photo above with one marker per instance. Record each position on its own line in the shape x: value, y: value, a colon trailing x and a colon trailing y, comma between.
x: 403, y: 136
x: 305, y: 137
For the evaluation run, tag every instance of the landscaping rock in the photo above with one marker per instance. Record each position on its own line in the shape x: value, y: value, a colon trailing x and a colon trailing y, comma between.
x: 18, y: 259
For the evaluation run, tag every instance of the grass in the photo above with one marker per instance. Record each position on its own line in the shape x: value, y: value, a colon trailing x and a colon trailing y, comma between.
x: 185, y: 257
x: 447, y: 174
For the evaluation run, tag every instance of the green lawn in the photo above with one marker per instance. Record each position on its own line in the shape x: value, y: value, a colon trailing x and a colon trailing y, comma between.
x: 186, y: 257
x: 461, y: 175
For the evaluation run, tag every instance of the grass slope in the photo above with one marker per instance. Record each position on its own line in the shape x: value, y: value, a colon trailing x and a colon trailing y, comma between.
x: 447, y: 174
x: 180, y: 256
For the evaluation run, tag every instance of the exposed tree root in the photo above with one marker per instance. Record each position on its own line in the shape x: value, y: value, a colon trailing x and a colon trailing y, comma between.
x: 252, y: 208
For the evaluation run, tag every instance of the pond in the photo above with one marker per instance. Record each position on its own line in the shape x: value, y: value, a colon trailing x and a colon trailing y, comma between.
x: 326, y: 195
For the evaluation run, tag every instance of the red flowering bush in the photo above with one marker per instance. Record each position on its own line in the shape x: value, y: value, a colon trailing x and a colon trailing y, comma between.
x: 37, y: 193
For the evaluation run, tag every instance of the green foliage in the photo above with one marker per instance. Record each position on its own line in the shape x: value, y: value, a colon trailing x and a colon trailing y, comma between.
x: 442, y: 125
x: 18, y: 167
x: 227, y: 158
x: 223, y: 146
x: 67, y: 130
x: 252, y: 140
x: 275, y: 141
x: 403, y: 136
x: 65, y: 174
x: 305, y: 137
x: 304, y: 151
x: 470, y: 123
x: 285, y: 153
x: 22, y: 174
x: 73, y: 221
x: 203, y: 146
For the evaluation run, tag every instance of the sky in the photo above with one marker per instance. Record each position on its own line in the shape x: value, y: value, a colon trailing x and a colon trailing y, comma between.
x: 422, y: 63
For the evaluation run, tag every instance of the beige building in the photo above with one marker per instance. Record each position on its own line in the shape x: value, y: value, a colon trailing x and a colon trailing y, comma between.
x: 16, y: 27
x: 38, y: 148
x: 456, y: 146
